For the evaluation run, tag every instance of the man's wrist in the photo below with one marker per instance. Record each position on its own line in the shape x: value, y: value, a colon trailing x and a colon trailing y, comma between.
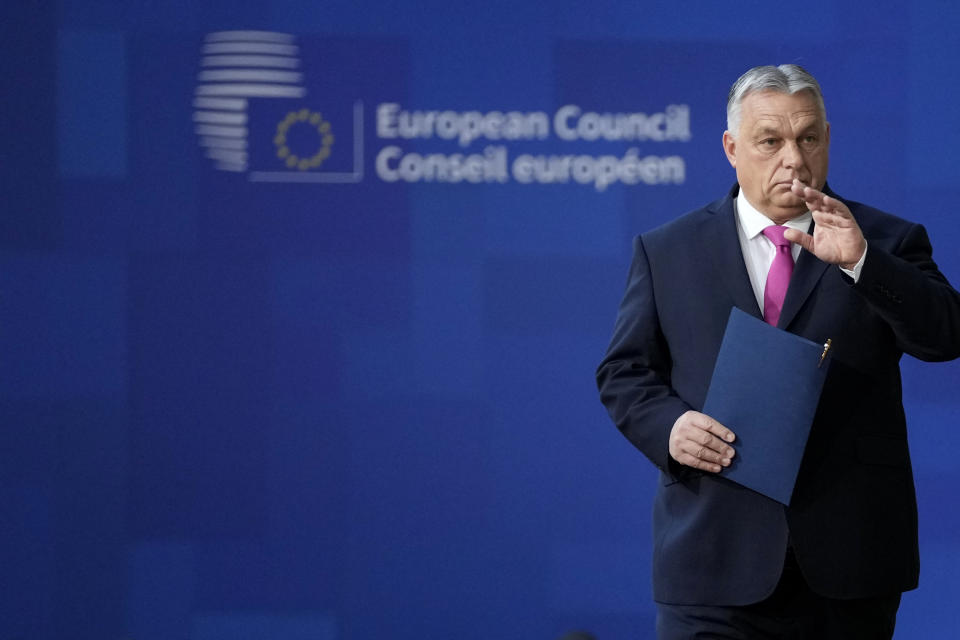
x: 853, y: 270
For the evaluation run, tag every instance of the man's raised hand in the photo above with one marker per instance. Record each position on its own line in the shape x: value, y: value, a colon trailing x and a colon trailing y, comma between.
x: 836, y: 238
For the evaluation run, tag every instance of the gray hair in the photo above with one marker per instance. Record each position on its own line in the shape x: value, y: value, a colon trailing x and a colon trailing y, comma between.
x: 787, y: 78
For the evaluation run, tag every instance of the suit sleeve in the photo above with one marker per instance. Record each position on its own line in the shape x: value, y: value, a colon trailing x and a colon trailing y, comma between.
x: 908, y: 291
x: 634, y: 377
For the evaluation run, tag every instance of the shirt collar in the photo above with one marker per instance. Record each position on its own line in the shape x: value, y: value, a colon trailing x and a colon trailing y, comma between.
x: 753, y: 222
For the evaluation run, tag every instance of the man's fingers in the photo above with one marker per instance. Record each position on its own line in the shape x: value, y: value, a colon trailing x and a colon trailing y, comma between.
x: 709, y: 424
x: 697, y: 463
x: 804, y: 190
x: 811, y: 196
x: 707, y: 453
x: 711, y: 447
x: 805, y: 240
x: 832, y: 219
x: 819, y: 202
x: 833, y: 205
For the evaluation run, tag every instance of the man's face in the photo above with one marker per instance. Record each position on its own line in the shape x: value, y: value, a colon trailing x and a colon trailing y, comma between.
x: 781, y: 137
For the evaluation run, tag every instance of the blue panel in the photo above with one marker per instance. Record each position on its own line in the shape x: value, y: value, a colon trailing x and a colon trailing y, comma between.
x: 28, y: 127
x: 933, y: 125
x: 939, y: 521
x: 310, y: 499
x: 318, y: 304
x: 932, y: 610
x: 63, y: 475
x: 160, y: 197
x: 199, y: 396
x: 162, y: 589
x: 869, y: 72
x: 237, y: 574
x: 531, y: 296
x: 27, y: 553
x: 926, y: 412
x: 445, y: 227
x: 376, y: 364
x: 92, y: 104
x: 89, y: 470
x: 448, y: 326
x: 64, y: 326
x: 167, y: 16
x: 264, y: 626
x: 934, y: 209
x: 550, y: 220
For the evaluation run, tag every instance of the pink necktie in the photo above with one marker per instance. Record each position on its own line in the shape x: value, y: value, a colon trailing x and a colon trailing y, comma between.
x: 778, y: 278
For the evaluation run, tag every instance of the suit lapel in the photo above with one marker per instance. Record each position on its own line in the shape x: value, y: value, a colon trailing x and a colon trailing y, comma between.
x: 719, y: 240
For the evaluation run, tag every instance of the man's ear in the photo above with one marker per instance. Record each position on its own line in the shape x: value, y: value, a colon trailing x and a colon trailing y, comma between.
x: 730, y: 148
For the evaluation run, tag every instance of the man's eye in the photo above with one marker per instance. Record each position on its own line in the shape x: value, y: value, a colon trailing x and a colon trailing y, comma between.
x: 810, y: 139
x: 769, y: 142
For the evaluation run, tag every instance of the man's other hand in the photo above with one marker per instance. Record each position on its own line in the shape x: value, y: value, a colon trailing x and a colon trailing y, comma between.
x: 699, y: 441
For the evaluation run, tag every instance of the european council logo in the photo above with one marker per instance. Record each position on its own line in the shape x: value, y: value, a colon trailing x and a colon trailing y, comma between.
x: 251, y: 118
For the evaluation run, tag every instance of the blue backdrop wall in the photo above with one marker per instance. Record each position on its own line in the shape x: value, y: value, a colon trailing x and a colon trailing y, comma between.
x: 283, y: 359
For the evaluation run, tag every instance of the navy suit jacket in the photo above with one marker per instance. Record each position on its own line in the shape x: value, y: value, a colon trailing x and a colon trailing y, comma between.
x: 852, y: 520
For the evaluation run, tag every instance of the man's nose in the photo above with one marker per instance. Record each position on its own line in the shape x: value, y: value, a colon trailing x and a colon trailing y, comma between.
x: 792, y: 155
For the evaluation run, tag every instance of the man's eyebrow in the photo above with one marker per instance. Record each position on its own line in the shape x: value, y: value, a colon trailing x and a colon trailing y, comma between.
x: 767, y: 131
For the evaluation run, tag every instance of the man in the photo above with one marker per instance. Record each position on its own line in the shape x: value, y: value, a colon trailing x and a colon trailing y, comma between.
x: 729, y: 562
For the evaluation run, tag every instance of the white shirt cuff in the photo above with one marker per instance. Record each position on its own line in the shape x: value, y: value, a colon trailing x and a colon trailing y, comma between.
x: 857, y: 268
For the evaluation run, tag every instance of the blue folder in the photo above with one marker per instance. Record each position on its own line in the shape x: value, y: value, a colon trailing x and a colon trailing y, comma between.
x: 765, y: 388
